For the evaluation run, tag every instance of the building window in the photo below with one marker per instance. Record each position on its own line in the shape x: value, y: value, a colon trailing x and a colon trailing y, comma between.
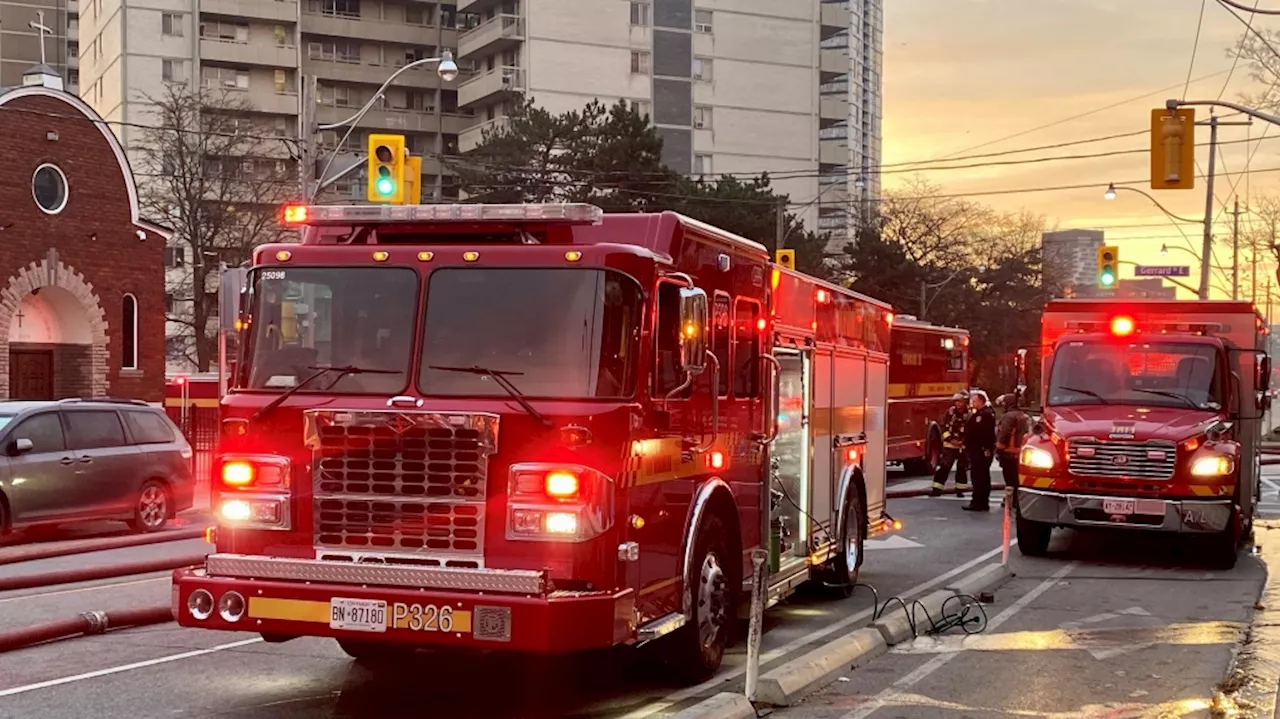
x: 282, y: 82
x: 644, y: 109
x: 224, y: 77
x: 170, y: 304
x: 282, y: 36
x: 640, y: 63
x: 702, y: 21
x: 171, y: 24
x: 640, y: 14
x: 129, y: 332
x: 73, y: 49
x: 702, y: 164
x: 175, y: 256
x: 73, y: 77
x: 73, y: 25
x: 173, y: 71
x: 702, y: 69
x: 225, y: 32
x: 49, y: 188
x: 338, y: 8
x: 416, y: 15
x: 702, y: 118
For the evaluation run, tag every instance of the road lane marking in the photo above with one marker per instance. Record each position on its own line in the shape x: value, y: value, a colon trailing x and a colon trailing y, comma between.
x: 939, y: 661
x: 717, y: 681
x: 165, y: 578
x: 125, y: 668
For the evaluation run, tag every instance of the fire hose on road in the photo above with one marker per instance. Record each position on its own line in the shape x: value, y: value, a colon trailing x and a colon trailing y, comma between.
x: 84, y: 625
x: 69, y: 576
x: 24, y: 554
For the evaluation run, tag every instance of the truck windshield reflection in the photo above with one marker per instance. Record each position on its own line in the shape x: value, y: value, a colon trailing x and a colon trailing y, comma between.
x: 1159, y: 374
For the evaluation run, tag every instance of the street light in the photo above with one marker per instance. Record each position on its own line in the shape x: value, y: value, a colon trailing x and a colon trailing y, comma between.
x: 446, y: 68
x: 1205, y: 222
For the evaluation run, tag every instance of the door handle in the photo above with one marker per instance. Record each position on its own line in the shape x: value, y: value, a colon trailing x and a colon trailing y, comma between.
x: 86, y: 459
x: 67, y: 460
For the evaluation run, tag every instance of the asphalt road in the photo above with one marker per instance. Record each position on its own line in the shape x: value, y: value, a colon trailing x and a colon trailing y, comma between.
x: 166, y: 671
x: 1111, y: 625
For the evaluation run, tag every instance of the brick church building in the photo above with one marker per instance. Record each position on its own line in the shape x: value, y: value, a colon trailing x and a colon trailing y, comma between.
x: 81, y: 273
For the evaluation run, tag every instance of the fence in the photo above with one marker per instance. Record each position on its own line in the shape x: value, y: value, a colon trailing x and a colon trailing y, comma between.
x: 200, y: 427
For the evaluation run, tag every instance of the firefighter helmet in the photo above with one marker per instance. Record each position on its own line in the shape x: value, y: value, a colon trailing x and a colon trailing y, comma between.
x: 960, y: 397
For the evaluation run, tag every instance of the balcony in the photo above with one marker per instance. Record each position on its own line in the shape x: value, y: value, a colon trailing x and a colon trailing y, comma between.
x: 260, y: 54
x: 274, y: 103
x: 836, y: 14
x: 500, y: 32
x: 838, y: 132
x: 394, y: 120
x: 490, y: 86
x: 272, y: 10
x: 833, y: 107
x: 838, y: 221
x: 838, y: 87
x: 836, y: 61
x: 477, y: 6
x: 373, y: 30
x: 833, y: 152
x: 474, y: 135
x: 421, y: 77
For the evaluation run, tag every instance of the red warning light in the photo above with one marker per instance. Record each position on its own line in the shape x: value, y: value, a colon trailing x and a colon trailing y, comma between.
x: 1122, y: 326
x: 180, y: 381
x: 295, y: 214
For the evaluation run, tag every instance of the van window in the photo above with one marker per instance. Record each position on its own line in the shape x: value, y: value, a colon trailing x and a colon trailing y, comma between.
x: 148, y: 428
x: 44, y: 431
x: 89, y: 429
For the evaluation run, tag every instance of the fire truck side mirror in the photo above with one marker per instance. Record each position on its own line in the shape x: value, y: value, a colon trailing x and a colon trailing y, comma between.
x: 1264, y: 372
x: 693, y: 330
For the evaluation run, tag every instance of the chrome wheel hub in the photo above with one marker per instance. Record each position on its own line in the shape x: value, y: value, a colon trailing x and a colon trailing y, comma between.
x: 710, y: 611
x: 152, y: 506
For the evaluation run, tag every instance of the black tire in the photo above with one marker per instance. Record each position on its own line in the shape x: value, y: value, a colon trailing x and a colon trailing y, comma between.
x: 696, y: 650
x: 1223, y: 548
x: 1033, y: 537
x: 916, y: 467
x: 375, y: 652
x: 151, y: 507
x: 4, y: 518
x: 841, y: 573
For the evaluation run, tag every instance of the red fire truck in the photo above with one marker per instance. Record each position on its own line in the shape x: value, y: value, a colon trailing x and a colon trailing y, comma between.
x: 1152, y: 421
x: 928, y: 364
x: 536, y: 428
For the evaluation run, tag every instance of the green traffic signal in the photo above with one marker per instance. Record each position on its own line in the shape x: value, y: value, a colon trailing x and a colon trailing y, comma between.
x: 1107, y: 278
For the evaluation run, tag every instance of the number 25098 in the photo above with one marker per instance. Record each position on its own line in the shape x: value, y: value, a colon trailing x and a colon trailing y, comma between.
x: 422, y: 618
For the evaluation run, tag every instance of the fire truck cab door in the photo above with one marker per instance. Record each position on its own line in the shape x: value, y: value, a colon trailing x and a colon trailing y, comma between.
x: 791, y: 456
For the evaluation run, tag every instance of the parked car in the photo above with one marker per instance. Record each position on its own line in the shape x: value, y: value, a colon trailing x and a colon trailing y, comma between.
x: 74, y: 460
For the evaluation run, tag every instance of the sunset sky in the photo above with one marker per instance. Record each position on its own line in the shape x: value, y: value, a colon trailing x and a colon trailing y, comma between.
x: 959, y: 74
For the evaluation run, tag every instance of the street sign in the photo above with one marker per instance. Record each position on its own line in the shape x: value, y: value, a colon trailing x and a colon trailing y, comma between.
x: 1154, y: 271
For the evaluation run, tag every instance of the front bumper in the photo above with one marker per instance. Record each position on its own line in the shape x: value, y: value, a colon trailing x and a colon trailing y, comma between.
x: 544, y: 623
x: 1195, y: 516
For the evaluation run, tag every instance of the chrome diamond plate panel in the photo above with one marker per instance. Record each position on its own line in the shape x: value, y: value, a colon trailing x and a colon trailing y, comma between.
x: 504, y: 581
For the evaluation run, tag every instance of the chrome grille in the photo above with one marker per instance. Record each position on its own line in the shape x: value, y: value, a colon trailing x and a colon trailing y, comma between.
x: 403, y: 483
x: 1130, y: 460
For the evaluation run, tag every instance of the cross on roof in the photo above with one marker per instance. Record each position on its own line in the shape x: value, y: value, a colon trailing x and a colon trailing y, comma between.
x: 44, y: 30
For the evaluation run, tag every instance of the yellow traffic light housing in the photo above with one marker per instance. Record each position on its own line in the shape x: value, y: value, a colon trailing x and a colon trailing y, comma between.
x: 386, y: 169
x: 786, y: 258
x: 1173, y: 149
x: 413, y: 180
x: 1108, y: 267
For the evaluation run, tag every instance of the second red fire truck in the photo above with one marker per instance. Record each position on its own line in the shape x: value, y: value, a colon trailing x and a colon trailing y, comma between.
x: 928, y: 364
x: 536, y: 428
x: 1152, y: 421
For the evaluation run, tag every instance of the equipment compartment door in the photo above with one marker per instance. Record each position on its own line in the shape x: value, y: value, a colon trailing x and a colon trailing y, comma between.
x: 791, y: 458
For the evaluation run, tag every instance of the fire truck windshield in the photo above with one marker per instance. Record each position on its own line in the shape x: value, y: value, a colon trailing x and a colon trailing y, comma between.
x: 308, y: 317
x: 1162, y: 374
x: 571, y: 333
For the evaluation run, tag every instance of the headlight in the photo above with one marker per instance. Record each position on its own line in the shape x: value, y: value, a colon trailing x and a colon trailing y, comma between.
x: 1036, y: 457
x: 1215, y: 466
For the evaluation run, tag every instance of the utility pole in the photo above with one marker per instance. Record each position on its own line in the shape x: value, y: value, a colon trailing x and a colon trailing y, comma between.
x: 1235, y: 250
x: 1206, y: 252
x: 780, y: 231
x: 923, y: 298
x: 307, y: 137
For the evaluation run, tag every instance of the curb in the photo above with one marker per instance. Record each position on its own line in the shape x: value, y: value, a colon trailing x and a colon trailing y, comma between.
x: 791, y: 682
x: 721, y: 706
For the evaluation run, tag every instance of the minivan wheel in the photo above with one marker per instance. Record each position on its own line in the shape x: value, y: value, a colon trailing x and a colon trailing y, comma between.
x: 151, y: 509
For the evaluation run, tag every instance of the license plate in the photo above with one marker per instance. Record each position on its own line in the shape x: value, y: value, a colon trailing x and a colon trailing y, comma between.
x: 359, y: 615
x: 1117, y: 506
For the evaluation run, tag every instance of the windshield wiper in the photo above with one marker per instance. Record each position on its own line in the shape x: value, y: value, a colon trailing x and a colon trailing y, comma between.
x: 500, y: 377
x: 1088, y: 392
x: 342, y: 371
x: 1164, y: 393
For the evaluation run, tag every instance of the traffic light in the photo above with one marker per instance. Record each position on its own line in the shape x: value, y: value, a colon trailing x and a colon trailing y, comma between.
x: 1108, y: 267
x: 386, y: 169
x: 413, y: 180
x: 786, y: 258
x: 1173, y: 149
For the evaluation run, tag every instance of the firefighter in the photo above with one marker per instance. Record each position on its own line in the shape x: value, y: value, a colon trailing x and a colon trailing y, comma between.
x: 1011, y: 430
x: 980, y: 446
x: 953, y: 421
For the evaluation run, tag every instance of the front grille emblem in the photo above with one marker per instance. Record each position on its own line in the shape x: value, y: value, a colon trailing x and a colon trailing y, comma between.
x: 1120, y: 460
x: 401, y: 424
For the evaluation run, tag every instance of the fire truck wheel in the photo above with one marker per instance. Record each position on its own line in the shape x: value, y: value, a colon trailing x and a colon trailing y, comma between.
x: 1033, y: 537
x: 373, y: 652
x: 697, y: 649
x: 151, y: 508
x: 842, y: 573
x: 1223, y: 548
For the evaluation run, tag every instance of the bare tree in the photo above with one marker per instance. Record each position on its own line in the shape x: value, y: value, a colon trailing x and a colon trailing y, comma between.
x: 219, y: 177
x: 1257, y: 50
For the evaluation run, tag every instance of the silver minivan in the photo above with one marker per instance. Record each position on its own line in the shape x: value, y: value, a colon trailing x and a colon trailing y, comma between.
x: 75, y: 460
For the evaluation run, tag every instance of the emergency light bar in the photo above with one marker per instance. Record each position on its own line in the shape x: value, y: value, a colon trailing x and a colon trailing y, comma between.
x: 1123, y: 326
x: 565, y: 213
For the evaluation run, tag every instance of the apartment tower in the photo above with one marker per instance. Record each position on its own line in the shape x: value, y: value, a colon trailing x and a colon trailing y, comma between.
x: 20, y: 43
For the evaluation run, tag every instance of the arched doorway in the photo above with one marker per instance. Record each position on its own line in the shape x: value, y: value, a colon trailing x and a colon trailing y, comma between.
x: 50, y: 346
